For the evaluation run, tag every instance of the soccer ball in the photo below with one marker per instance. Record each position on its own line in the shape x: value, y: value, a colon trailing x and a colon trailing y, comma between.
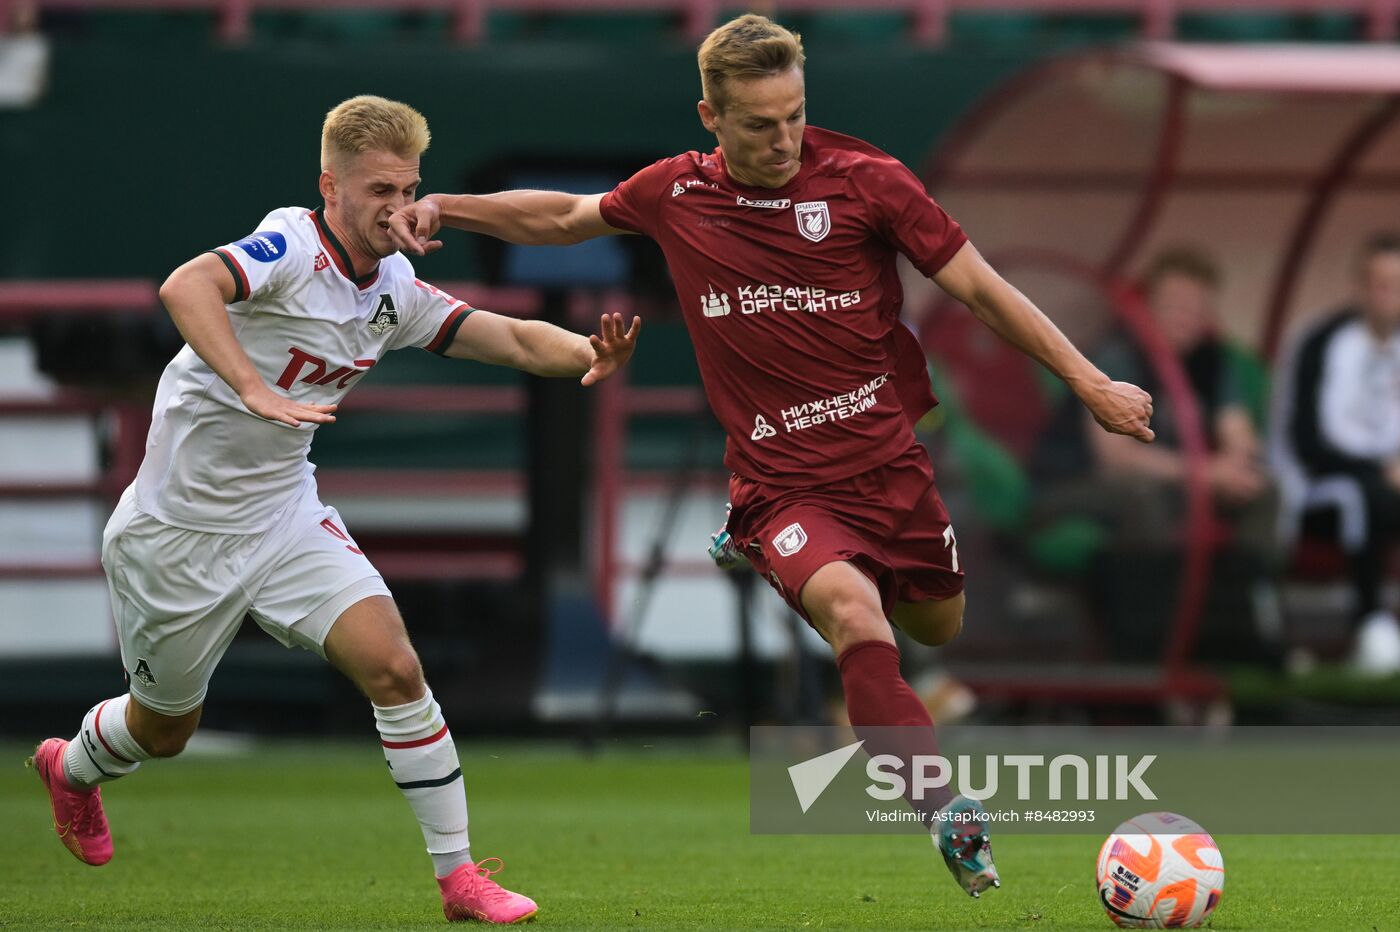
x: 1160, y: 871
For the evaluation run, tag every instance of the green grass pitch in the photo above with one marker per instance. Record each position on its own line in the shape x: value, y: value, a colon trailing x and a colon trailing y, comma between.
x: 314, y: 836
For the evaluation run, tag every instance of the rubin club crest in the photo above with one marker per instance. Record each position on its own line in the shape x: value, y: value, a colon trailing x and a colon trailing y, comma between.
x: 813, y: 220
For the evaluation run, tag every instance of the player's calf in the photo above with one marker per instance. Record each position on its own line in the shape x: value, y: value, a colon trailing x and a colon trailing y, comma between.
x: 159, y: 733
x: 933, y: 622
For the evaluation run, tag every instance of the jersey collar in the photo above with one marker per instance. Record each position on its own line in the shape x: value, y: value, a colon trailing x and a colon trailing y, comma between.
x: 338, y: 255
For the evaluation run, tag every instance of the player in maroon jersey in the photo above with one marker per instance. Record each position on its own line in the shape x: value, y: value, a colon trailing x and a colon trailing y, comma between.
x: 782, y: 243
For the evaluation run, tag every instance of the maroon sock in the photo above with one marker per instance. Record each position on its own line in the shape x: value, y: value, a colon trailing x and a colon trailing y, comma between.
x: 877, y: 697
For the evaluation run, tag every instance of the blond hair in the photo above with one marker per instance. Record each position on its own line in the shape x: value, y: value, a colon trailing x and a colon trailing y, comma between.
x: 366, y: 123
x: 750, y: 46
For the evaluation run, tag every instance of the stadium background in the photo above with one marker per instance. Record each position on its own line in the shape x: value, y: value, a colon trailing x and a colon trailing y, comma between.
x: 150, y: 139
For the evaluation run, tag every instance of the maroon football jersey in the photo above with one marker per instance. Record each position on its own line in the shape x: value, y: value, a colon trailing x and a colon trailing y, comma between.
x: 792, y: 300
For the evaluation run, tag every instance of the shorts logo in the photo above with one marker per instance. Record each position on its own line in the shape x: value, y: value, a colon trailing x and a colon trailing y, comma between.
x: 813, y: 220
x: 385, y: 318
x: 335, y: 531
x: 714, y: 305
x: 143, y: 673
x: 264, y: 246
x: 791, y: 540
x: 777, y: 583
x: 762, y: 430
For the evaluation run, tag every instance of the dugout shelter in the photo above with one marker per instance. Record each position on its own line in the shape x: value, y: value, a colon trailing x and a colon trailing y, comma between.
x: 1277, y: 159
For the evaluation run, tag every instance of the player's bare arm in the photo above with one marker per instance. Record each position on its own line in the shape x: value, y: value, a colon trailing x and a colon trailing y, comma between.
x: 544, y: 349
x: 530, y: 218
x: 196, y: 295
x: 1118, y: 407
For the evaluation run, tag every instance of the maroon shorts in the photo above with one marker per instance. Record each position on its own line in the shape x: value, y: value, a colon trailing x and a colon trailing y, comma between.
x: 889, y: 522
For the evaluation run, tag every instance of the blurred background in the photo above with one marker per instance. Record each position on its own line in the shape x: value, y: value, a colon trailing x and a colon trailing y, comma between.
x: 1192, y: 189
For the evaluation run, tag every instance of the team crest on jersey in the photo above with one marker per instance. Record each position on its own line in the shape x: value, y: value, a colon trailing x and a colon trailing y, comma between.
x: 791, y: 539
x: 385, y: 318
x: 813, y: 220
x: 321, y: 262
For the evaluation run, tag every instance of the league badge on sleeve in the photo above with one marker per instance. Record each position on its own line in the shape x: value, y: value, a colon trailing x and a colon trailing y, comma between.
x: 813, y: 220
x: 264, y: 246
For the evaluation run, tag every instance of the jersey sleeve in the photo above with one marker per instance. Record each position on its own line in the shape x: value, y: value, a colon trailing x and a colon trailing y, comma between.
x: 430, y: 318
x: 908, y: 219
x: 264, y: 261
x: 633, y: 205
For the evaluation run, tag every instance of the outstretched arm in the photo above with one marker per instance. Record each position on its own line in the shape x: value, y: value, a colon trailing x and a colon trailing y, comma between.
x: 196, y: 295
x: 544, y: 349
x: 1119, y: 407
x: 530, y: 218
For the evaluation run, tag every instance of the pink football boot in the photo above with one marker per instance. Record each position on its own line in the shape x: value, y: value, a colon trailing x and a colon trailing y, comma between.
x: 77, y: 814
x: 470, y: 893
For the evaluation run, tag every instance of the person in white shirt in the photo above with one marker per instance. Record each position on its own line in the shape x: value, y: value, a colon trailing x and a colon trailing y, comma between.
x: 224, y: 519
x: 1340, y: 396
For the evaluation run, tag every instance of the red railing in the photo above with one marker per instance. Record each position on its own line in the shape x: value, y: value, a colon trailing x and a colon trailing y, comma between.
x: 123, y: 425
x: 1175, y: 676
x: 927, y: 19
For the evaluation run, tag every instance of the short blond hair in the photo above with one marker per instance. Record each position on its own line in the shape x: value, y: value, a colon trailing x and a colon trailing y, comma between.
x: 750, y: 46
x: 366, y: 123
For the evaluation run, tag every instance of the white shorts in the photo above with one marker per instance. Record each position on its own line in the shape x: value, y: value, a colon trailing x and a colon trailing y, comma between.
x: 179, y: 596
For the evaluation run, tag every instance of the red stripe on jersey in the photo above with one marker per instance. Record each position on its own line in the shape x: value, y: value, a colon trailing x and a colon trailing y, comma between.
x: 243, y: 288
x: 330, y: 247
x: 399, y: 745
x: 97, y: 727
x: 449, y: 325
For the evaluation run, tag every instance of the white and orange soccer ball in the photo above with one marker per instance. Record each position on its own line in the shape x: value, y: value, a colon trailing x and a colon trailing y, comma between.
x: 1160, y: 871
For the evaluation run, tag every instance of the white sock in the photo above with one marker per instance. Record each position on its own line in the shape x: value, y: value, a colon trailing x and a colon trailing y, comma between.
x: 423, y: 762
x: 103, y: 749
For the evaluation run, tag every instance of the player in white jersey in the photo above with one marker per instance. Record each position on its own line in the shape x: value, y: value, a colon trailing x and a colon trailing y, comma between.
x: 224, y: 520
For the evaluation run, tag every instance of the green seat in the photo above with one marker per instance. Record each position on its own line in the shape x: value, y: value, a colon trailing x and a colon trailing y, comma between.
x: 1000, y: 492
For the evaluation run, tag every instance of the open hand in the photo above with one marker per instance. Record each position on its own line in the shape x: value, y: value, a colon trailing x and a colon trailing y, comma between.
x: 611, y: 347
x: 266, y: 403
x: 412, y: 227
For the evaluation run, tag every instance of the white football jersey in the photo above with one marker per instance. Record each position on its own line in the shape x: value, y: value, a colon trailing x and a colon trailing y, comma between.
x: 312, y: 331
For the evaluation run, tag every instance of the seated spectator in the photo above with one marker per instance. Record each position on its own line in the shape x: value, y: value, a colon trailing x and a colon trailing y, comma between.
x: 1337, y: 446
x: 1138, y: 492
x: 1182, y: 287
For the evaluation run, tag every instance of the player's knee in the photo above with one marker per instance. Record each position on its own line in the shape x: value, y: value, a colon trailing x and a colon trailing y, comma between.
x: 849, y: 618
x: 398, y: 678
